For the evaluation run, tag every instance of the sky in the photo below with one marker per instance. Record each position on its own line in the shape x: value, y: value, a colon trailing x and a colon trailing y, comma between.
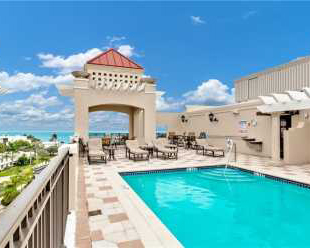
x: 195, y: 50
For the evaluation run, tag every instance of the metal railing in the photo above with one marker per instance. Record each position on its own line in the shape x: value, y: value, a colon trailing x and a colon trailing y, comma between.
x: 37, y: 217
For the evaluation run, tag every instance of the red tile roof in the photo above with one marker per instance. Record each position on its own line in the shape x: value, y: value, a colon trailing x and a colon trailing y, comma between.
x: 112, y: 57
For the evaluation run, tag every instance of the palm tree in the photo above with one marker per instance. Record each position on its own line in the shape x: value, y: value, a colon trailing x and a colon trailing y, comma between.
x: 54, y: 137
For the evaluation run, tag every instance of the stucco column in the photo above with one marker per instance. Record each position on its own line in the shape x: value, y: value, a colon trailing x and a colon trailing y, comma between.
x: 81, y: 107
x: 149, y: 123
x: 275, y: 137
x: 131, y: 125
x: 139, y: 125
x: 81, y: 121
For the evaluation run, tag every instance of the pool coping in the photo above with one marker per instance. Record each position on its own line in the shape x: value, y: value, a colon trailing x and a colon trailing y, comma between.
x: 253, y: 172
x: 152, y: 231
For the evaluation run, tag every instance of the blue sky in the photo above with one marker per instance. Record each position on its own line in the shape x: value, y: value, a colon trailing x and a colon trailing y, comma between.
x: 194, y: 49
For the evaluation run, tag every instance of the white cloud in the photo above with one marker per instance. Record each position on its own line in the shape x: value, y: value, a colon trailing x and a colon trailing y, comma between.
x: 166, y: 104
x: 210, y: 92
x: 75, y: 62
x: 67, y: 64
x: 32, y: 112
x: 249, y: 14
x: 41, y: 100
x: 113, y: 39
x: 103, y: 120
x: 197, y: 20
x: 28, y: 81
x: 126, y: 50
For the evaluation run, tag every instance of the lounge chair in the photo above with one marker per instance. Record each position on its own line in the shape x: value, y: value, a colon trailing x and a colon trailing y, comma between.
x: 202, y: 145
x: 166, y: 144
x: 95, y: 150
x: 135, y: 152
x: 167, y: 153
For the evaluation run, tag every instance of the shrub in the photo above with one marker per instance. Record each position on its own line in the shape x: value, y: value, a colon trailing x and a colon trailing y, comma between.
x: 9, y: 194
x: 52, y: 150
x: 22, y: 161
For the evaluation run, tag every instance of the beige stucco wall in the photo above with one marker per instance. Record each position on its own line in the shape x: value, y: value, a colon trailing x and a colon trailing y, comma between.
x: 171, y: 120
x: 297, y: 140
x: 228, y: 126
x: 267, y: 130
x: 139, y: 105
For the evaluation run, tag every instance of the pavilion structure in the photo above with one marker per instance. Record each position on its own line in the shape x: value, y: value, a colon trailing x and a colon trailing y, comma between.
x: 113, y: 82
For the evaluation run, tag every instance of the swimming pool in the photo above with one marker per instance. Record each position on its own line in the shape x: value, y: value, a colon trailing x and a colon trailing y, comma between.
x: 207, y: 208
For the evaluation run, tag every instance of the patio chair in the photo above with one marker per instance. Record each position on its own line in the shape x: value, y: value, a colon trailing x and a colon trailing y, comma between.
x: 95, y: 150
x: 202, y: 145
x: 135, y: 152
x: 166, y: 143
x: 167, y: 153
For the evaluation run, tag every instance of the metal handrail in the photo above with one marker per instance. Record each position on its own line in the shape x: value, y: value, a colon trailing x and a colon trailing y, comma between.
x: 13, y: 216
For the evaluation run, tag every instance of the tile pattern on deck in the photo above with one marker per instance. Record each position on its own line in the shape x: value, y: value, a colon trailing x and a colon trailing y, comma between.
x: 110, y: 225
x: 103, y: 222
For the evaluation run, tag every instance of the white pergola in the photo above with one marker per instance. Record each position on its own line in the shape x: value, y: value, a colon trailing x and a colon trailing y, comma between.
x: 287, y: 101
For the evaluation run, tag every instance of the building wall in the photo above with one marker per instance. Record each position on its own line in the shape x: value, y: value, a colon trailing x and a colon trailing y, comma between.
x: 292, y: 76
x: 264, y: 128
x: 228, y: 126
x: 101, y: 73
x: 140, y: 106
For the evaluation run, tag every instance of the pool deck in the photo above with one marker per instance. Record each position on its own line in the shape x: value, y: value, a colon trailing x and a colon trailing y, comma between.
x: 109, y: 213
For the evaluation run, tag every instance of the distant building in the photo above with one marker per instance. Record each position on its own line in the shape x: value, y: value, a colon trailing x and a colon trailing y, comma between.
x: 294, y: 75
x: 4, y: 139
x: 271, y: 116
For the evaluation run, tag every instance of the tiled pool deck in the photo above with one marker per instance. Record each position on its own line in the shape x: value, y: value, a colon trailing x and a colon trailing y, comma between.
x: 109, y: 214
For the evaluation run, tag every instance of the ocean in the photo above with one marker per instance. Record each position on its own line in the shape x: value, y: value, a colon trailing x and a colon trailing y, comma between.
x: 62, y: 136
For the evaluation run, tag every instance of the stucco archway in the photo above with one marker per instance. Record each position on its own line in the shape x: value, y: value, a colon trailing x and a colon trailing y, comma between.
x: 135, y: 116
x: 112, y: 82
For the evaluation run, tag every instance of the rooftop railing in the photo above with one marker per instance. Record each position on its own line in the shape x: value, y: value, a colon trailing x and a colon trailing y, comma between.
x: 37, y: 217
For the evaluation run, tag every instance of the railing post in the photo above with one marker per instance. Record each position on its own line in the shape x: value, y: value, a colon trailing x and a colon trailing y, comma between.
x: 37, y: 217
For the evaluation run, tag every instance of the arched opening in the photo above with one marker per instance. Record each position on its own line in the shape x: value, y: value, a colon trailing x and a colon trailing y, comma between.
x: 117, y: 121
x: 108, y: 123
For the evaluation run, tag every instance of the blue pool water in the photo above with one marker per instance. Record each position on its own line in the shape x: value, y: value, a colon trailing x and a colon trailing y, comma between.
x: 204, y: 208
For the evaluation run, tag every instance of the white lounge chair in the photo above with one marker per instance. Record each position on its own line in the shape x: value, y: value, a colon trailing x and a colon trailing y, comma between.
x: 135, y: 152
x: 202, y: 145
x: 95, y: 150
x: 165, y: 143
x: 166, y: 152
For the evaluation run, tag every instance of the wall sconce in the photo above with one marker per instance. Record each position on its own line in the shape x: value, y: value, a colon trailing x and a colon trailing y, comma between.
x: 183, y: 119
x: 212, y: 118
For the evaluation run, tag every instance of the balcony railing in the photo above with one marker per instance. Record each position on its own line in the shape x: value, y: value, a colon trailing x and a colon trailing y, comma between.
x: 37, y: 217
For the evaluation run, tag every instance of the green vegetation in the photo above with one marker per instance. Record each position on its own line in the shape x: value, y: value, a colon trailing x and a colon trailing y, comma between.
x: 12, y: 171
x: 52, y: 150
x: 8, y: 195
x: 32, y: 138
x: 21, y: 174
x: 22, y: 161
x: 12, y: 188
